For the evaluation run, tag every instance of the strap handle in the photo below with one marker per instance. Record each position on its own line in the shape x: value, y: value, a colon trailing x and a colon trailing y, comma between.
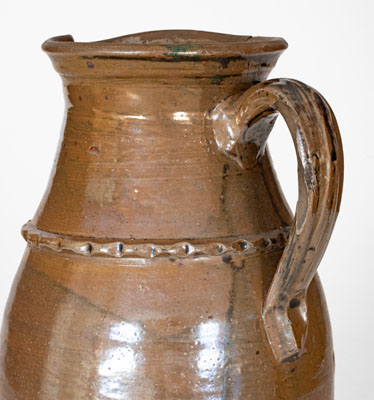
x: 316, y: 137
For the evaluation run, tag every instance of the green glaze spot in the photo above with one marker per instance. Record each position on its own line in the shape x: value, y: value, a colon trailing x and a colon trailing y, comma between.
x: 198, y: 186
x: 216, y: 79
x: 176, y: 50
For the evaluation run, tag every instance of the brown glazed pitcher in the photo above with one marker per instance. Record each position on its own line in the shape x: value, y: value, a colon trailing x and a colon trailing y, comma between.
x: 163, y: 261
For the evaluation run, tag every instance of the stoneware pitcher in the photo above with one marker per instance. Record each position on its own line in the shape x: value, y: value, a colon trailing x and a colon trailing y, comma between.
x: 163, y: 261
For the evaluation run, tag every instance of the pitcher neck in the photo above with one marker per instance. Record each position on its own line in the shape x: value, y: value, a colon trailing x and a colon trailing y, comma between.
x: 139, y: 160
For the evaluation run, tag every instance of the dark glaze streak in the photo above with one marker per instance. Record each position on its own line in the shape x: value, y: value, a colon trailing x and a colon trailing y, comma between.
x: 84, y: 300
x: 224, y: 61
x: 270, y: 190
x: 227, y: 258
x: 333, y: 199
x: 294, y: 303
x: 327, y: 119
x: 223, y: 196
x: 317, y: 187
x: 237, y: 267
x: 227, y: 381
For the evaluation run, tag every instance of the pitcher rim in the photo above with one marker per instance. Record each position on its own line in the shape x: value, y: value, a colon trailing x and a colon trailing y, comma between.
x: 167, y: 45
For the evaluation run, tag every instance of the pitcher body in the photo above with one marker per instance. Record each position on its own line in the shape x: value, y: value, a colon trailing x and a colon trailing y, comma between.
x: 161, y: 261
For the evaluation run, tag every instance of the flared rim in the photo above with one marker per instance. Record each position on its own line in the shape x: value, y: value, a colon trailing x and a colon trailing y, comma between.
x: 167, y: 44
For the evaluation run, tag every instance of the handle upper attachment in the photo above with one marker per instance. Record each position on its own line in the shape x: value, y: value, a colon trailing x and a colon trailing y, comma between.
x: 316, y: 137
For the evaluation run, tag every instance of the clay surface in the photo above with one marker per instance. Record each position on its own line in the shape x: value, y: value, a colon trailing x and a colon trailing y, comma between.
x: 163, y: 261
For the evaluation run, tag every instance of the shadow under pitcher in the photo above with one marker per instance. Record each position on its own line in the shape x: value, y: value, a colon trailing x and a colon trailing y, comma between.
x: 163, y: 261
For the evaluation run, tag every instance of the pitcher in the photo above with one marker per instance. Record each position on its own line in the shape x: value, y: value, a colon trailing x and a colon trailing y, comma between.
x: 163, y: 261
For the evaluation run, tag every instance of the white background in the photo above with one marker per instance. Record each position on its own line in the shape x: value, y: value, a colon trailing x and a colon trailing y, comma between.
x: 330, y: 47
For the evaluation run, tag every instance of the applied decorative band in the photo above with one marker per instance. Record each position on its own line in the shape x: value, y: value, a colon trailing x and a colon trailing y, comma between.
x: 245, y: 246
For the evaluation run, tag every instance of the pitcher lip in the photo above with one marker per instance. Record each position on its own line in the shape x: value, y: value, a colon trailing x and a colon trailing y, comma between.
x: 167, y: 44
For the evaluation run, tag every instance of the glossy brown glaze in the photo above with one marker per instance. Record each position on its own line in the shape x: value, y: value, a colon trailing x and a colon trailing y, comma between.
x: 320, y: 164
x: 151, y: 270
